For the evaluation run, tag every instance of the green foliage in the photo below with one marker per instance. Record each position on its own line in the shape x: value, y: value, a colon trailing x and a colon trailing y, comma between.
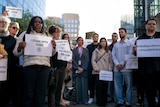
x: 24, y: 22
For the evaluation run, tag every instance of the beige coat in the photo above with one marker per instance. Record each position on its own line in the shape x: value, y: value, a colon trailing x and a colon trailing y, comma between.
x: 105, y: 63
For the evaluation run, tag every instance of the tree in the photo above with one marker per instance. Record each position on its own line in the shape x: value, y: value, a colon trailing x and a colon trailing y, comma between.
x: 24, y: 21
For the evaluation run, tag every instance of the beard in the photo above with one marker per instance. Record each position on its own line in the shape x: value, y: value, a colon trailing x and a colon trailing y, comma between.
x: 151, y: 29
x: 122, y: 37
x: 95, y: 41
x: 3, y: 29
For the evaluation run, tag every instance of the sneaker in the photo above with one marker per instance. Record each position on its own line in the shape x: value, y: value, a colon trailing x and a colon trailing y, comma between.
x: 90, y: 101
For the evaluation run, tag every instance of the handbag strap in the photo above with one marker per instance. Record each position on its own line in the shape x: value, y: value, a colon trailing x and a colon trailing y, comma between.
x: 100, y: 57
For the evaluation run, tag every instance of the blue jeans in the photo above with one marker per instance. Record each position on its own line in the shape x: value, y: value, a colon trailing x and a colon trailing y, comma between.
x: 35, y: 85
x: 121, y: 78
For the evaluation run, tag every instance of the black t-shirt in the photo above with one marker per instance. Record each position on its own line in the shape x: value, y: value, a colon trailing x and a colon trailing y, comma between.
x: 149, y: 64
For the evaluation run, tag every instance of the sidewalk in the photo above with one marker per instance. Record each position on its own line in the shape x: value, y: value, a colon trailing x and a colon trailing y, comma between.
x: 134, y: 100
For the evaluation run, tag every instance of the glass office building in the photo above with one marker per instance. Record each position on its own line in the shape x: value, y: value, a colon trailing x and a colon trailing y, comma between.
x: 35, y: 7
x: 144, y: 9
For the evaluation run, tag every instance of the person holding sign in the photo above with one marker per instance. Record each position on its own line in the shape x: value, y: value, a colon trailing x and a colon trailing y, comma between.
x: 101, y: 60
x: 7, y: 83
x: 80, y: 62
x: 36, y: 68
x: 60, y: 68
x: 68, y: 72
x: 148, y: 67
x: 121, y: 74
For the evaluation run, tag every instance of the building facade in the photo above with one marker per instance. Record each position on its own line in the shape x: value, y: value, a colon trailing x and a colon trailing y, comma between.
x: 144, y: 9
x: 35, y: 7
x: 127, y: 21
x: 71, y: 24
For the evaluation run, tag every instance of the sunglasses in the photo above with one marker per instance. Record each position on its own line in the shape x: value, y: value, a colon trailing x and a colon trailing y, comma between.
x: 15, y: 28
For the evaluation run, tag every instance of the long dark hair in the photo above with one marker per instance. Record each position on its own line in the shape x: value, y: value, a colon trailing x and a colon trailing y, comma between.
x: 100, y: 47
x: 31, y: 25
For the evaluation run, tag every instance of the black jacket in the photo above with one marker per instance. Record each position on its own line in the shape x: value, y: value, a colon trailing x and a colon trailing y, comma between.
x: 9, y: 44
x: 149, y: 64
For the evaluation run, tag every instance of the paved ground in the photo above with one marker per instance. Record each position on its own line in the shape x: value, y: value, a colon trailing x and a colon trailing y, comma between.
x: 134, y: 99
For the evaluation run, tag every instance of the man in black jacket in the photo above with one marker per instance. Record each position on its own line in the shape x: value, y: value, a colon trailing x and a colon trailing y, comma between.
x: 7, y: 87
x: 148, y: 67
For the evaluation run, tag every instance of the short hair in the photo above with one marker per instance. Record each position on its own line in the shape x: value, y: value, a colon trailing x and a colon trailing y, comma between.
x: 12, y: 23
x: 150, y: 20
x: 2, y: 18
x: 95, y: 34
x: 123, y: 29
x: 114, y: 33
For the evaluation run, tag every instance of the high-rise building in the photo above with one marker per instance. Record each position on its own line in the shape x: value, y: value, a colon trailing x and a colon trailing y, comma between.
x: 144, y: 9
x: 35, y: 7
x: 127, y: 21
x: 71, y: 24
x: 55, y: 20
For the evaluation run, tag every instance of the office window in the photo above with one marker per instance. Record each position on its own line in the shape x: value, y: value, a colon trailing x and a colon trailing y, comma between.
x: 72, y: 21
x: 69, y: 30
x: 69, y: 25
x: 65, y: 30
x: 72, y: 25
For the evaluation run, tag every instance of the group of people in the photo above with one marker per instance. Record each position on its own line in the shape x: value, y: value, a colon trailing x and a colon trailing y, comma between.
x: 27, y: 75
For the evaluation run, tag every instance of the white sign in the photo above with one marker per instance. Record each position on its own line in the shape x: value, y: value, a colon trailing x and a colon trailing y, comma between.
x: 38, y: 45
x: 64, y: 50
x: 3, y: 69
x: 106, y: 75
x: 148, y: 48
x: 132, y: 62
x: 62, y: 44
x: 65, y: 55
x: 14, y: 12
x: 87, y: 42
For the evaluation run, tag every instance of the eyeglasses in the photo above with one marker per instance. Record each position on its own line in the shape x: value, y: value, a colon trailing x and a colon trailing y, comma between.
x: 15, y: 28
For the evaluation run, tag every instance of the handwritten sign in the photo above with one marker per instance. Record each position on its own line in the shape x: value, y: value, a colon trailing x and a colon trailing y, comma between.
x: 64, y: 50
x: 148, y: 48
x: 3, y: 69
x: 132, y: 62
x: 62, y: 44
x: 38, y: 45
x: 14, y: 12
x: 106, y: 75
x: 65, y: 55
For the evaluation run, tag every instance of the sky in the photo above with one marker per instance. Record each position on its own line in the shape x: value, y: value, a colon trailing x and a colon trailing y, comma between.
x: 101, y: 16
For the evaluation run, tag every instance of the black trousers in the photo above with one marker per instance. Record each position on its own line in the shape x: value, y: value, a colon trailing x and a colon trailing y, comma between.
x: 149, y: 83
x: 101, y: 91
x: 11, y: 90
x: 92, y: 85
x: 54, y: 98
